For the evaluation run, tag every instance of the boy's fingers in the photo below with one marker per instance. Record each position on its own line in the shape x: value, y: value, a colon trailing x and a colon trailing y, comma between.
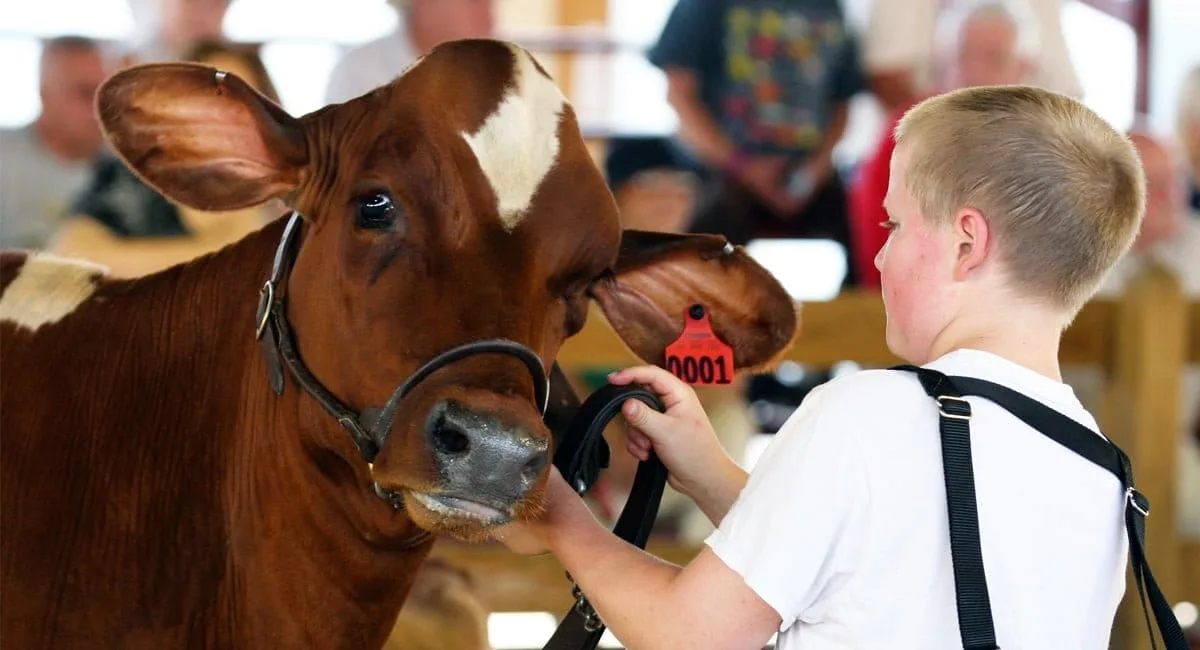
x: 643, y: 418
x: 667, y: 386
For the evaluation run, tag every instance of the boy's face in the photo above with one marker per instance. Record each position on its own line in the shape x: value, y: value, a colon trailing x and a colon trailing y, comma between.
x: 915, y: 267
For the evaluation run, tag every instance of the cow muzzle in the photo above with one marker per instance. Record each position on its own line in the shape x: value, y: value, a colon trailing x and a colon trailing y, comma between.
x: 486, y: 466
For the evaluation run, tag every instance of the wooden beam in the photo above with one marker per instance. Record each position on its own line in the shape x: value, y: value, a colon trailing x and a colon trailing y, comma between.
x: 1142, y: 415
x: 1136, y: 13
x: 849, y: 328
x: 1189, y: 573
x: 1194, y: 334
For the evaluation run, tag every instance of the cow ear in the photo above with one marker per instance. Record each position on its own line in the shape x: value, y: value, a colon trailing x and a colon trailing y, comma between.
x: 201, y: 137
x: 658, y: 276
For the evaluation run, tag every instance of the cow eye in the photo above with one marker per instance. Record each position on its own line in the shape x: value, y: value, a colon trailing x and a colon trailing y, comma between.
x: 376, y: 211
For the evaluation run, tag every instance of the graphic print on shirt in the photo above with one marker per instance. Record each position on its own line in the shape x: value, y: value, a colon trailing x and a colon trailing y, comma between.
x: 778, y: 65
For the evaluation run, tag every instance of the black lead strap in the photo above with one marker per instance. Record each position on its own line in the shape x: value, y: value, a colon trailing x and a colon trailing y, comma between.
x: 970, y: 583
x: 580, y: 456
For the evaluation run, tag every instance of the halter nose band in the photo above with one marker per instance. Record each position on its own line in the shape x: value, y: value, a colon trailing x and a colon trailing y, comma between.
x: 378, y: 422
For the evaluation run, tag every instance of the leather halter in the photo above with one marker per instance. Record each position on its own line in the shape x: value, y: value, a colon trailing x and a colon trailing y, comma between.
x: 581, y: 451
x: 369, y: 429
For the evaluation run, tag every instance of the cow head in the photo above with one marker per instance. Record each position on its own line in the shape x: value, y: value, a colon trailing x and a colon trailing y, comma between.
x: 455, y: 204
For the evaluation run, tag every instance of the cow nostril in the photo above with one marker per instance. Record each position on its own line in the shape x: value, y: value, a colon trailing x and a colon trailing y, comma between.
x: 535, y: 465
x: 449, y: 439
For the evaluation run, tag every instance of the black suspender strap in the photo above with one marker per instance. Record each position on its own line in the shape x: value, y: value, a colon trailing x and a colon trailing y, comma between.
x: 974, y: 608
x: 970, y: 583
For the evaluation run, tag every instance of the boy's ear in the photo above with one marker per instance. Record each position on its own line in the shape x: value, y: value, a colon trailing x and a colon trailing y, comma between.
x: 658, y: 276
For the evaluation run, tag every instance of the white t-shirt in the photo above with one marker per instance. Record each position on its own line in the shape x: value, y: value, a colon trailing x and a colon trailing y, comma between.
x: 901, y: 34
x: 371, y: 65
x: 842, y: 527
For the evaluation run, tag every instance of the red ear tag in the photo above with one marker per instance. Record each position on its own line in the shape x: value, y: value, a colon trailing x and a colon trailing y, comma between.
x: 698, y: 356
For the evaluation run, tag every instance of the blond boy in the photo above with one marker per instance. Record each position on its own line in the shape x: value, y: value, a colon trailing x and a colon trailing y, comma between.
x: 1007, y: 207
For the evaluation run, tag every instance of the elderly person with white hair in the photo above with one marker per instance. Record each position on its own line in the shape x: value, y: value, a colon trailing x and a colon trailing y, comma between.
x: 901, y: 49
x: 979, y: 43
x: 423, y: 24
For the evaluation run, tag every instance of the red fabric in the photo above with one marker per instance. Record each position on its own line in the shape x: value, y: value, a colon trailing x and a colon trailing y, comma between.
x: 866, y: 204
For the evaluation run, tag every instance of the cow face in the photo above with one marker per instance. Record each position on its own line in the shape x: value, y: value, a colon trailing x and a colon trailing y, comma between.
x: 455, y: 204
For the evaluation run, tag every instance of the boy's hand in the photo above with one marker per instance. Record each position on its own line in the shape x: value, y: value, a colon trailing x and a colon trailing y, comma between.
x: 563, y: 507
x: 682, y: 437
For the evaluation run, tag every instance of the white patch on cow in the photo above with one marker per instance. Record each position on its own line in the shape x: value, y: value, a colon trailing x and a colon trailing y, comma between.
x: 518, y: 143
x: 47, y: 289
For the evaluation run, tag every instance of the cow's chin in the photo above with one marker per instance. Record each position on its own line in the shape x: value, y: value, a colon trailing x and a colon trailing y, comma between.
x: 463, y: 519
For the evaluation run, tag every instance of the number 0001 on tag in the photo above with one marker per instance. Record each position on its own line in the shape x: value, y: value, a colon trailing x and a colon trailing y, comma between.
x: 698, y: 356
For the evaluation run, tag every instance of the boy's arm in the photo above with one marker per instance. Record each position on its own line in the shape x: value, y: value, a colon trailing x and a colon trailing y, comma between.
x: 786, y: 544
x: 716, y: 496
x: 647, y: 602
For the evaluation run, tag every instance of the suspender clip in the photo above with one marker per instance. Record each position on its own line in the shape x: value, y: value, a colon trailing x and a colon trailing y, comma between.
x: 955, y: 408
x: 1138, y: 501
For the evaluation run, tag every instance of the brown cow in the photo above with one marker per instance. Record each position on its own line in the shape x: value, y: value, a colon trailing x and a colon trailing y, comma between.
x: 158, y: 493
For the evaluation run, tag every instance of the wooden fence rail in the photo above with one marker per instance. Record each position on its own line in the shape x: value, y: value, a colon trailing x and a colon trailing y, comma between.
x: 1141, y: 342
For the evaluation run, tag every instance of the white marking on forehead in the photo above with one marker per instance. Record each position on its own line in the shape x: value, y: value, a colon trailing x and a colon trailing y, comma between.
x: 47, y: 289
x: 518, y: 143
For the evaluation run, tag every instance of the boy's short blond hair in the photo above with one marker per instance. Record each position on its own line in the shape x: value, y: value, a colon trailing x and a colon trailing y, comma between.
x: 1063, y: 191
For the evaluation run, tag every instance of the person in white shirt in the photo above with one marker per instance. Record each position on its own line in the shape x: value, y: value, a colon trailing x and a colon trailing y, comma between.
x: 1007, y: 205
x: 900, y: 49
x: 423, y: 24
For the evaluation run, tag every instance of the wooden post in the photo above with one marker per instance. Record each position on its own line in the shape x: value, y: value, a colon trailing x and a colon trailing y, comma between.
x: 575, y: 13
x: 1141, y: 413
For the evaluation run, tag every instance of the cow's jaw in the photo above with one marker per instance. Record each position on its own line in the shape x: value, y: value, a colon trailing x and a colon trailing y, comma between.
x: 445, y: 505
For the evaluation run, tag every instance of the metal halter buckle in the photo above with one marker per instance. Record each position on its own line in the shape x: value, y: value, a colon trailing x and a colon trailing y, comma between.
x: 266, y: 300
x: 942, y: 399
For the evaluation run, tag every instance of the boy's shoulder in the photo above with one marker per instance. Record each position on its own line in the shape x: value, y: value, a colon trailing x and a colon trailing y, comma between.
x: 870, y: 394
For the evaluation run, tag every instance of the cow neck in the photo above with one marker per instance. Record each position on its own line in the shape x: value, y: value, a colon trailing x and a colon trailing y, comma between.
x: 369, y: 429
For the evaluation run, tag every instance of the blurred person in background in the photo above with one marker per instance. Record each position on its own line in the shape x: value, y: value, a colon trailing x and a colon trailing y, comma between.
x: 422, y: 25
x: 901, y: 48
x: 122, y: 223
x: 43, y: 164
x: 177, y: 27
x: 762, y: 91
x: 653, y: 184
x: 982, y: 43
x: 1188, y: 120
x: 1169, y: 238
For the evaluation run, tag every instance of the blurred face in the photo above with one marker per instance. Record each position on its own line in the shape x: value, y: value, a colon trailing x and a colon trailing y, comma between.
x: 186, y: 23
x: 988, y: 55
x: 1166, y: 200
x: 68, y: 88
x: 660, y: 200
x: 915, y: 266
x: 437, y: 21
